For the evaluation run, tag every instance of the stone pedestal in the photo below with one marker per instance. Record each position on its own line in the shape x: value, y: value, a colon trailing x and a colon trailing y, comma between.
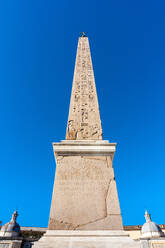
x: 86, y: 239
x: 85, y: 195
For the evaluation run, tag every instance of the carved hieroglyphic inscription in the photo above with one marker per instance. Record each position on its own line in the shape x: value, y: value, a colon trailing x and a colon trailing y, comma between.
x: 84, y: 117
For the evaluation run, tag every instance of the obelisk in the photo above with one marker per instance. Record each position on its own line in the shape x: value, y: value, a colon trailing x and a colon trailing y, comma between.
x: 84, y: 118
x: 85, y: 194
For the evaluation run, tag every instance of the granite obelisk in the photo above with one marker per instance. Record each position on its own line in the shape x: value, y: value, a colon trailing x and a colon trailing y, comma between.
x: 84, y: 117
x: 85, y: 195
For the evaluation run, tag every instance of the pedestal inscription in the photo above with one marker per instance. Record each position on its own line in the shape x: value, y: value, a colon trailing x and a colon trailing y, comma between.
x: 85, y: 195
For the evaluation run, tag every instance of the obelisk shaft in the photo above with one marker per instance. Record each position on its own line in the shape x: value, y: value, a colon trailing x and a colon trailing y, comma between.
x: 84, y: 117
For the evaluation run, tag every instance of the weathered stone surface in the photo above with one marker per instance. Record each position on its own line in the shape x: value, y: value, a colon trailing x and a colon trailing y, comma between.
x: 83, y: 194
x: 112, y: 200
x: 84, y: 117
x: 110, y: 222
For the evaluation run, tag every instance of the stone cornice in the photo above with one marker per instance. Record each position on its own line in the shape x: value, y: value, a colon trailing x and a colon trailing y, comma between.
x: 85, y: 147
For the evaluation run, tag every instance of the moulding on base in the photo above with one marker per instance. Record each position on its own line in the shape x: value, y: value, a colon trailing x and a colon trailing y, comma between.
x: 86, y: 239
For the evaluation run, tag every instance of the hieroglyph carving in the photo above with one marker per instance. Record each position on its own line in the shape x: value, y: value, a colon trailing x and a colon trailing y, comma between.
x: 84, y: 117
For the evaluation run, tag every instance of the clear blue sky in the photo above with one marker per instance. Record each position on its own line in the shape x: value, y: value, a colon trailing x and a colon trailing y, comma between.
x: 37, y: 54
